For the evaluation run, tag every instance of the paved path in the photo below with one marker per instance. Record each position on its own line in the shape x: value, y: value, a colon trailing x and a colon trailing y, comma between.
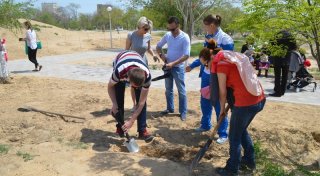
x: 59, y: 66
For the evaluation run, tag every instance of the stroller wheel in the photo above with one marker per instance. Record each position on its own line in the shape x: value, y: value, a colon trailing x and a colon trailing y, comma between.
x: 288, y: 87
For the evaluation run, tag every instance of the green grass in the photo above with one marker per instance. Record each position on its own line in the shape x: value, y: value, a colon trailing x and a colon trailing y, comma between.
x: 238, y: 45
x: 266, y: 167
x: 26, y: 156
x: 4, y: 149
x: 197, y: 47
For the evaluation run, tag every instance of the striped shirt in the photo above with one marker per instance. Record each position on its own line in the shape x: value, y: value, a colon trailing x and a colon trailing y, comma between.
x: 124, y: 62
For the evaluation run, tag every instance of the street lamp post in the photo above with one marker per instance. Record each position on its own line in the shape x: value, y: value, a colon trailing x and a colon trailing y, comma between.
x: 109, y: 9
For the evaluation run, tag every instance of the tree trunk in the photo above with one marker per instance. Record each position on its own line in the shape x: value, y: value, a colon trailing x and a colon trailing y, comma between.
x: 185, y: 24
x: 318, y: 54
x: 191, y: 20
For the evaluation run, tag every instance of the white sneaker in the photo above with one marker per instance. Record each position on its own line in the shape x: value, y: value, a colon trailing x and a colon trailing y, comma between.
x: 222, y: 140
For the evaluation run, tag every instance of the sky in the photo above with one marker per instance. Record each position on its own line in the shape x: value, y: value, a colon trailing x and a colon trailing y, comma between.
x: 87, y: 6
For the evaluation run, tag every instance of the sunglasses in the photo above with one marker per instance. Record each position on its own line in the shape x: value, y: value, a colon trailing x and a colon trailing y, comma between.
x: 146, y: 29
x: 172, y: 30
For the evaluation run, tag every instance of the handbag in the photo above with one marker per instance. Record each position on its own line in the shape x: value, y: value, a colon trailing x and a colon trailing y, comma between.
x: 39, y: 45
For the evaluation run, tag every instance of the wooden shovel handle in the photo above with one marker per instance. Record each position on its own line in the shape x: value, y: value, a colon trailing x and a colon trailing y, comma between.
x: 221, y: 118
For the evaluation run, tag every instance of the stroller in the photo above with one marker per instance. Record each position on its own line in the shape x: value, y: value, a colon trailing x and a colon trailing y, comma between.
x: 302, y: 79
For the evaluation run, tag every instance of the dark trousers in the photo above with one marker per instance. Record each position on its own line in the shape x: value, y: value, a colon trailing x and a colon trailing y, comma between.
x: 241, y: 118
x: 32, y: 55
x: 120, y: 92
x: 281, y: 69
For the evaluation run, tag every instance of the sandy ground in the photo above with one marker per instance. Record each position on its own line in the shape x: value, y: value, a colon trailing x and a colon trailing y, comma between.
x: 289, y: 132
x: 60, y: 41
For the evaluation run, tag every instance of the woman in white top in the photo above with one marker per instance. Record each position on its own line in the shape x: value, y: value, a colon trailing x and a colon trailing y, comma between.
x: 31, y: 39
x: 139, y: 41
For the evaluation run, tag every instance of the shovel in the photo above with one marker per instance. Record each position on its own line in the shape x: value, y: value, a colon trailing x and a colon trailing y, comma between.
x: 166, y: 74
x: 203, y: 150
x: 131, y: 144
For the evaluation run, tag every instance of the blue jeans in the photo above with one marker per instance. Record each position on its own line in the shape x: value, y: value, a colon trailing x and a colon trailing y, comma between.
x: 177, y: 74
x: 241, y: 118
x: 142, y: 118
x: 206, y: 109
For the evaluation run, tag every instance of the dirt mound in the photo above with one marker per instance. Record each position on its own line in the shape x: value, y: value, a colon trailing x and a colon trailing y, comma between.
x: 291, y: 146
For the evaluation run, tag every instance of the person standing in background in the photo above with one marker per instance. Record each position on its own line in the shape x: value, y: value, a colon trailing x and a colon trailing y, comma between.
x: 140, y: 42
x: 178, y: 52
x: 225, y: 42
x: 213, y: 29
x: 4, y: 73
x: 31, y: 39
x: 286, y: 42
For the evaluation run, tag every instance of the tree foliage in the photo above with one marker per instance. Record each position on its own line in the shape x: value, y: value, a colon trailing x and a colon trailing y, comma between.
x: 11, y: 12
x: 265, y: 18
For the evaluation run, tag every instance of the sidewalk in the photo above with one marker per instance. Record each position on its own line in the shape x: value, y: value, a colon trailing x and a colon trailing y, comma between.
x: 60, y: 67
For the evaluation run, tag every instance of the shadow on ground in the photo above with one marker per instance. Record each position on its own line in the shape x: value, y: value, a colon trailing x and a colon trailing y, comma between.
x: 102, y: 140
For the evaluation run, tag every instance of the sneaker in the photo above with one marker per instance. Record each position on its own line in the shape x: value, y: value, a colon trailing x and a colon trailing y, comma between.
x: 183, y: 117
x: 146, y: 136
x: 120, y: 132
x: 199, y: 130
x: 222, y: 140
x: 166, y: 112
x: 225, y: 172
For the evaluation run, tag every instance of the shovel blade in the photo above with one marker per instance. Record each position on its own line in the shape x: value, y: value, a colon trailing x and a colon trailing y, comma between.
x: 199, y: 155
x: 132, y: 146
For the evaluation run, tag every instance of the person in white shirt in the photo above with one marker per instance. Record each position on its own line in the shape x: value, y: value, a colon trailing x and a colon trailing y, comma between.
x: 31, y: 39
x: 178, y: 52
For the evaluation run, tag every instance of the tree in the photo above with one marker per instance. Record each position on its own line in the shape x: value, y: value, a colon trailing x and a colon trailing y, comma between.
x: 86, y: 21
x: 193, y: 10
x: 73, y: 10
x: 11, y: 12
x: 47, y: 18
x: 265, y: 19
x: 160, y: 11
x: 228, y: 12
x: 130, y: 18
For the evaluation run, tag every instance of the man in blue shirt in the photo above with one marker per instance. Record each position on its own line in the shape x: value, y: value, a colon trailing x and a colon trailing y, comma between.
x: 178, y: 52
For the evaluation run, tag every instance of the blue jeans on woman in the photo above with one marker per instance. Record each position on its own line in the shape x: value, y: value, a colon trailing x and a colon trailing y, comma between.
x: 241, y: 118
x: 177, y: 74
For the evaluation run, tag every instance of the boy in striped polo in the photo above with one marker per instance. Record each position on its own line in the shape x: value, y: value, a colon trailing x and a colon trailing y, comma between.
x: 130, y: 67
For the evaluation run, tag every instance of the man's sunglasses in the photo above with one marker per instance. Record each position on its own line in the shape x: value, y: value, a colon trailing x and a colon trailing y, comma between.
x: 172, y: 30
